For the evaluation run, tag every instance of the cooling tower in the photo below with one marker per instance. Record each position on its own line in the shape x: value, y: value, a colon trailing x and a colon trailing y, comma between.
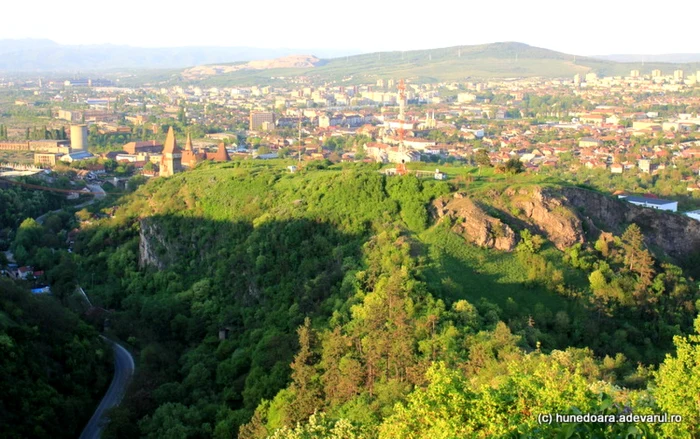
x: 78, y: 138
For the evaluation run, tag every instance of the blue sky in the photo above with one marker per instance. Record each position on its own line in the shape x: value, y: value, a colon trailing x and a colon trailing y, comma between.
x: 583, y: 27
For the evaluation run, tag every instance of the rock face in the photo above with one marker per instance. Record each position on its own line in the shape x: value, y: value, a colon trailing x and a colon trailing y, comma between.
x: 566, y: 216
x: 149, y: 240
x: 677, y: 235
x: 474, y: 224
x: 549, y: 215
x: 286, y: 62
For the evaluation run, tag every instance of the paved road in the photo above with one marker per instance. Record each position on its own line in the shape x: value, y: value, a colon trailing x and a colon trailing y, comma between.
x: 123, y: 371
x: 40, y: 219
x: 82, y: 292
x: 97, y: 191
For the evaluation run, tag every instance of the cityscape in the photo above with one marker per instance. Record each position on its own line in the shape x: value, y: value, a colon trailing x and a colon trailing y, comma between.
x: 494, y: 240
x: 642, y: 123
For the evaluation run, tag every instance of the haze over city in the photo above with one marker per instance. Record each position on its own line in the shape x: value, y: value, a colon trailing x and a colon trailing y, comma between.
x: 596, y: 28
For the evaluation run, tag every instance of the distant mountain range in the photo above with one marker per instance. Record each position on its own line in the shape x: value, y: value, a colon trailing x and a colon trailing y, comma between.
x: 32, y: 55
x: 233, y: 66
x: 459, y: 63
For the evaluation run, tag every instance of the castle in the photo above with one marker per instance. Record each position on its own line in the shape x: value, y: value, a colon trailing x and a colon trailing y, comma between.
x: 174, y: 159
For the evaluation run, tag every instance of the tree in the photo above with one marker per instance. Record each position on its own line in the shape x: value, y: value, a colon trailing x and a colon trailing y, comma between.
x: 321, y: 426
x: 181, y: 117
x: 174, y: 420
x: 305, y: 384
x: 110, y: 165
x: 482, y: 158
x: 62, y: 277
x: 514, y: 166
x: 677, y: 389
x: 639, y: 260
x: 135, y: 182
x: 28, y: 236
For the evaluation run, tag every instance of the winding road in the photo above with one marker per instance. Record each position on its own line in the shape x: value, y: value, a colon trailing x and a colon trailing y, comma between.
x: 123, y: 371
x: 123, y: 361
x: 97, y: 192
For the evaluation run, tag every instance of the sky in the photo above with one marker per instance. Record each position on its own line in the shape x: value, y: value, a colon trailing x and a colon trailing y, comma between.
x: 592, y: 27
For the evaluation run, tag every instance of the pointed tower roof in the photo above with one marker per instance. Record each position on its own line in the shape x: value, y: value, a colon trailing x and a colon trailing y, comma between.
x: 221, y: 154
x: 188, y: 143
x: 170, y: 145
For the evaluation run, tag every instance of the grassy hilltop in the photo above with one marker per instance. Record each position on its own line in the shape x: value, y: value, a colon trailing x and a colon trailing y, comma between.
x: 495, y: 60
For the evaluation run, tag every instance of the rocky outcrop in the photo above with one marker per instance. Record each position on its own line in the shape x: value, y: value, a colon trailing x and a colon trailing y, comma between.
x: 677, y: 235
x: 570, y: 215
x: 548, y: 214
x: 151, y: 244
x: 285, y: 62
x: 470, y: 221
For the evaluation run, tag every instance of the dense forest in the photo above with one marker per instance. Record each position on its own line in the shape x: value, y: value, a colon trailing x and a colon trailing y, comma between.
x: 336, y: 303
x: 17, y: 204
x: 53, y: 367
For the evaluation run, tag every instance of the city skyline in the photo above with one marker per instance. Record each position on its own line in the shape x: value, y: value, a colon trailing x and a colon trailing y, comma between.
x: 598, y: 28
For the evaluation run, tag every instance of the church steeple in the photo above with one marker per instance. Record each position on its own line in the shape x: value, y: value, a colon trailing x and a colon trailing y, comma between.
x: 188, y: 143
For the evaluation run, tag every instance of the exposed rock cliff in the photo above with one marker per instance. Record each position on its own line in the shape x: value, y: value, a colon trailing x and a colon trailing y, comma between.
x: 677, y: 235
x: 151, y: 245
x: 565, y: 216
x: 474, y: 224
x: 549, y: 215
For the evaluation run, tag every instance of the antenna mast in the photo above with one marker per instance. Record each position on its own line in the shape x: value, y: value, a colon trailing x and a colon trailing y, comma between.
x: 402, y: 114
x: 401, y: 167
x: 300, y: 136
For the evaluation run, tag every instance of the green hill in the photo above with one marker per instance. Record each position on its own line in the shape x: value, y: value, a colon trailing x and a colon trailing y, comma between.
x: 496, y: 60
x: 54, y: 369
x: 255, y: 297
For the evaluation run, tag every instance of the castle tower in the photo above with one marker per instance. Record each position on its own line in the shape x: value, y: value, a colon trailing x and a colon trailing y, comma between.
x: 221, y: 154
x: 171, y: 162
x: 189, y: 158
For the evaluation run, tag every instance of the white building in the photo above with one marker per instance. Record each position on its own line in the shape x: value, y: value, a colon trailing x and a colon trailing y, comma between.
x: 76, y: 156
x: 654, y: 203
x: 695, y: 214
x: 466, y: 97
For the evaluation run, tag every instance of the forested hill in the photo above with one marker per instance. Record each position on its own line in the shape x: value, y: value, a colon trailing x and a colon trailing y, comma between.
x: 53, y: 367
x: 388, y: 306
